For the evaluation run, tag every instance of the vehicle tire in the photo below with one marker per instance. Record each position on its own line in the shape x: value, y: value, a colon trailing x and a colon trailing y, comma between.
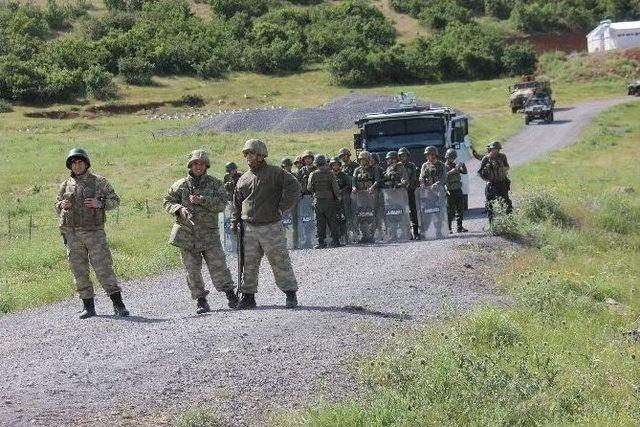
x: 514, y: 110
x: 526, y: 120
x: 550, y: 117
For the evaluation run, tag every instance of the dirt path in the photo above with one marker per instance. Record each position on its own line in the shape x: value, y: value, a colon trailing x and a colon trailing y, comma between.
x: 57, y: 370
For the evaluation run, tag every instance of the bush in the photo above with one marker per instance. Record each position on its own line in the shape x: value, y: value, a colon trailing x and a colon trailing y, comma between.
x: 274, y: 49
x: 438, y: 15
x: 63, y: 84
x: 126, y: 5
x: 192, y: 100
x: 519, y: 59
x: 99, y: 83
x: 57, y: 17
x: 136, y: 71
x: 541, y: 207
x: 5, y: 106
x: 228, y: 8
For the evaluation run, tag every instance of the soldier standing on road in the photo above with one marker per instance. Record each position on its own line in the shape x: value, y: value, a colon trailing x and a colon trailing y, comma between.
x: 395, y: 176
x: 82, y: 201
x: 455, y: 198
x: 493, y: 169
x: 299, y: 164
x: 412, y: 172
x: 344, y: 185
x: 262, y: 194
x: 195, y: 202
x: 348, y: 165
x: 307, y: 159
x: 286, y: 164
x: 433, y: 172
x: 326, y: 196
x: 231, y: 177
x: 367, y: 178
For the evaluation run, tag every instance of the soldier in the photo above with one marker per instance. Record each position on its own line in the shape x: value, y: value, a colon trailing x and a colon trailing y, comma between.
x: 231, y: 177
x: 307, y: 159
x: 455, y: 198
x: 286, y: 164
x: 433, y: 173
x: 366, y: 178
x: 299, y: 164
x: 82, y: 201
x: 324, y: 187
x: 262, y: 194
x: 493, y: 169
x: 347, y: 164
x: 344, y: 185
x: 412, y: 172
x: 395, y: 176
x: 195, y: 202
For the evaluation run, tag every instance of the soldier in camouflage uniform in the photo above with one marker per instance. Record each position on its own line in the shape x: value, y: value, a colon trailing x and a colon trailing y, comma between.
x: 493, y: 169
x: 412, y: 172
x: 367, y: 178
x: 395, y: 176
x: 348, y: 165
x: 344, y: 185
x: 82, y: 201
x: 263, y: 193
x: 231, y: 177
x: 307, y: 158
x: 299, y: 164
x: 326, y: 196
x: 286, y: 164
x: 433, y: 172
x: 195, y: 202
x: 455, y: 198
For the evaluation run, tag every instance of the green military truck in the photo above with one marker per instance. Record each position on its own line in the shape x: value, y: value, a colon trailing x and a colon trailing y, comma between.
x: 520, y: 92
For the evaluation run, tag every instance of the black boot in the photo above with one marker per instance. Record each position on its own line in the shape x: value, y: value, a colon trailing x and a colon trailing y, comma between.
x: 247, y: 302
x: 461, y: 229
x: 118, y: 306
x: 89, y: 308
x: 416, y: 233
x: 202, y: 306
x: 232, y: 299
x: 321, y: 244
x: 292, y: 299
x: 336, y: 244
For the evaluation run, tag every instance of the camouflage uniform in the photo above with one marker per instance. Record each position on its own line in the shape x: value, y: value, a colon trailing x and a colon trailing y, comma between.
x: 82, y: 229
x: 324, y: 187
x: 200, y: 240
x: 493, y: 169
x: 364, y: 178
x: 430, y: 173
x: 455, y: 197
x: 230, y: 182
x: 395, y: 177
x: 349, y: 167
x: 412, y: 174
x: 303, y: 178
x: 344, y: 213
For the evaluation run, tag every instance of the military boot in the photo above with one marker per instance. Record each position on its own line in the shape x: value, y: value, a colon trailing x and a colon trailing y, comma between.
x: 292, y: 299
x: 321, y: 244
x: 336, y: 244
x: 415, y: 233
x: 247, y: 302
x: 118, y: 306
x: 232, y: 299
x: 461, y: 229
x: 202, y: 306
x: 89, y: 308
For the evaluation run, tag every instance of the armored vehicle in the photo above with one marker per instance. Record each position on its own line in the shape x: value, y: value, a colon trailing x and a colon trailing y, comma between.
x: 538, y: 108
x: 634, y: 88
x: 526, y: 89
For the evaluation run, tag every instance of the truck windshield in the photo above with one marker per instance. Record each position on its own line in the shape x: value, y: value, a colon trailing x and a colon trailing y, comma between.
x: 390, y: 135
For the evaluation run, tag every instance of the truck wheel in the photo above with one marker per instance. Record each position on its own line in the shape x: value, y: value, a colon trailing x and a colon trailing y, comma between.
x: 526, y: 120
x: 551, y: 117
x: 514, y: 110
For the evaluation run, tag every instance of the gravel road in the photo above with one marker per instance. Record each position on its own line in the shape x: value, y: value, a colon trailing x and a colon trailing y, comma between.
x: 143, y: 370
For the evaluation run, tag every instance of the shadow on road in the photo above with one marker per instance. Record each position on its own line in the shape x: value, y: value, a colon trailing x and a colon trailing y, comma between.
x: 350, y: 309
x: 563, y: 109
x: 138, y: 319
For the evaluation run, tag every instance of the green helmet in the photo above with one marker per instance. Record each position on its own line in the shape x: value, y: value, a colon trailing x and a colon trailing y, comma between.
x: 335, y: 160
x: 404, y: 150
x: 451, y: 154
x: 431, y: 150
x: 364, y: 155
x: 392, y: 155
x: 320, y: 160
x: 256, y: 146
x: 286, y: 162
x: 344, y: 151
x: 77, y: 153
x: 230, y: 166
x: 495, y: 144
x: 306, y: 153
x: 199, y: 155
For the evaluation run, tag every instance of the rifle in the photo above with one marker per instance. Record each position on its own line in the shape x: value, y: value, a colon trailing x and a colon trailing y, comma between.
x: 240, y: 253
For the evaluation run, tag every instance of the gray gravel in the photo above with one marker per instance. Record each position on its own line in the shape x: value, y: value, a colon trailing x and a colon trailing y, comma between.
x: 339, y: 113
x: 163, y: 360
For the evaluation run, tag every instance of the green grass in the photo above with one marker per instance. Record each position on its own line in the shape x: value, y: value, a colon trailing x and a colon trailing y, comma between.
x: 141, y: 166
x: 558, y: 356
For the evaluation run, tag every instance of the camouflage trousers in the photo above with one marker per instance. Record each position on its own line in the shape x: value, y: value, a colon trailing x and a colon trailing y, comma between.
x: 269, y: 240
x: 216, y: 262
x: 90, y: 247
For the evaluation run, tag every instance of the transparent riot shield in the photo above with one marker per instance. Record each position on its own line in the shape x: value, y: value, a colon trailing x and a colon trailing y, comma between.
x: 306, y: 223
x: 289, y: 225
x: 365, y: 214
x: 346, y: 221
x: 397, y: 222
x: 432, y: 212
x: 228, y: 237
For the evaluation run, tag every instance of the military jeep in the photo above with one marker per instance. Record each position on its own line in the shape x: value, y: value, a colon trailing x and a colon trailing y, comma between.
x: 634, y: 88
x: 526, y: 89
x: 538, y: 108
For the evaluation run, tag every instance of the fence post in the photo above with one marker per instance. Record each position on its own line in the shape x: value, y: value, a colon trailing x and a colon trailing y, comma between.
x: 30, y: 225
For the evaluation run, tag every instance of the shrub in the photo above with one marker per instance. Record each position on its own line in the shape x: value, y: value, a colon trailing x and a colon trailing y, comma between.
x: 57, y: 17
x: 439, y: 14
x: 519, y: 59
x: 274, y: 49
x: 22, y: 81
x: 63, y: 84
x: 74, y: 53
x: 211, y: 68
x: 99, y: 83
x: 541, y: 207
x: 136, y: 71
x: 27, y: 20
x: 192, y: 100
x: 228, y: 8
x: 5, y: 106
x: 350, y: 68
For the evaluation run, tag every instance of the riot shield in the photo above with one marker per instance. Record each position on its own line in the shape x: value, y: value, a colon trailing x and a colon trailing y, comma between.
x: 289, y: 225
x: 346, y: 221
x: 397, y: 222
x: 432, y: 212
x: 228, y: 237
x: 306, y: 223
x: 365, y: 214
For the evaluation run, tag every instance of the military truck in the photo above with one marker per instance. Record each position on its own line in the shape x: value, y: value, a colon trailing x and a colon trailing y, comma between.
x: 538, y: 107
x: 634, y: 88
x: 415, y: 127
x: 529, y: 87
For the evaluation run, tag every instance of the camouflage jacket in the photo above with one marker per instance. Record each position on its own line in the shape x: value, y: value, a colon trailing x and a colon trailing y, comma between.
x: 432, y: 173
x: 494, y: 169
x: 395, y: 177
x: 323, y: 185
x: 344, y: 183
x: 203, y: 234
x: 76, y: 189
x: 305, y: 172
x: 261, y: 191
x: 454, y: 177
x: 230, y: 182
x: 366, y: 177
x: 412, y: 174
x: 350, y: 167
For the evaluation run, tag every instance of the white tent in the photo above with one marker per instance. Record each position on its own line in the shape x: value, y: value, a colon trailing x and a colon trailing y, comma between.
x: 614, y: 35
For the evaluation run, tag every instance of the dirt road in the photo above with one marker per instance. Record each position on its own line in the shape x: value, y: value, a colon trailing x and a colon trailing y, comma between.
x: 142, y: 370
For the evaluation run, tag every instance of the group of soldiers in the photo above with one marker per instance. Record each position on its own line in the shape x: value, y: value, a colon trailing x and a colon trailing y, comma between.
x: 259, y: 198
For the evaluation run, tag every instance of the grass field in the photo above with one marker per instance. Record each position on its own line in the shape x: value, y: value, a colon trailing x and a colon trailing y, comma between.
x: 141, y: 166
x: 559, y: 356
